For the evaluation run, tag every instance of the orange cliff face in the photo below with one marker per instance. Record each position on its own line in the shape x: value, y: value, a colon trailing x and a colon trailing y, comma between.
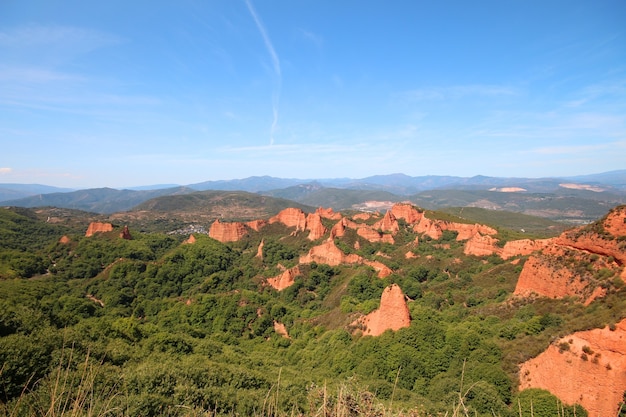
x: 284, y: 280
x: 388, y: 223
x: 479, y: 245
x: 393, y: 314
x: 588, y: 368
x: 407, y: 212
x: 315, y: 226
x: 328, y: 253
x: 291, y: 217
x: 523, y: 247
x: 98, y: 227
x: 227, y: 232
x: 580, y: 262
x: 328, y: 213
x: 429, y: 227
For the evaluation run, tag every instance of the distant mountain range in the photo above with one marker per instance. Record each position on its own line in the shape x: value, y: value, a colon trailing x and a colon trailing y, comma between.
x: 573, y: 199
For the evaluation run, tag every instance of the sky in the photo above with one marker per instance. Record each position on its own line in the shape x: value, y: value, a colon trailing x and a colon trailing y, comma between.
x: 127, y: 93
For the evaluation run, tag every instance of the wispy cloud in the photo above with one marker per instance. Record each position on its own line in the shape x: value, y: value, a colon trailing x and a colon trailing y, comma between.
x: 66, y: 37
x: 459, y: 91
x: 5, y: 170
x: 276, y: 65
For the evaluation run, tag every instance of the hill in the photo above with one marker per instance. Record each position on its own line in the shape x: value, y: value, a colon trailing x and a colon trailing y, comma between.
x: 571, y: 206
x: 315, y: 195
x: 17, y: 191
x: 206, y: 206
x: 97, y: 200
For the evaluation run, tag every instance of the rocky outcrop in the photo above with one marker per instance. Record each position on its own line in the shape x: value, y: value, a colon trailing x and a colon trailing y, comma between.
x: 281, y: 330
x: 315, y: 226
x: 588, y: 368
x: 284, y: 280
x: 480, y: 245
x: 523, y: 247
x: 362, y: 216
x: 259, y: 251
x: 542, y: 276
x: 256, y: 225
x: 580, y: 262
x: 406, y: 212
x: 291, y: 217
x: 388, y: 223
x: 328, y: 213
x: 382, y: 270
x: 393, y: 314
x: 428, y: 227
x: 64, y: 240
x: 190, y: 241
x: 339, y: 229
x: 434, y: 228
x: 372, y: 235
x: 125, y: 233
x: 98, y: 227
x: 227, y: 232
x: 467, y: 231
x: 328, y: 253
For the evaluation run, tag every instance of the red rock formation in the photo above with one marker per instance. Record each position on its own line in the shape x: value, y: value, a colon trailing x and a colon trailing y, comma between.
x: 428, y: 227
x: 387, y: 238
x: 98, y: 227
x: 256, y: 225
x: 393, y: 313
x: 291, y: 217
x: 523, y: 247
x: 596, y: 380
x: 382, y: 270
x: 407, y: 212
x: 575, y: 263
x: 314, y: 224
x: 328, y: 213
x: 480, y: 245
x: 190, y: 241
x: 615, y: 221
x: 369, y: 234
x: 227, y: 232
x: 542, y: 276
x: 556, y: 272
x: 281, y: 330
x: 388, y: 223
x: 125, y: 234
x: 284, y: 280
x: 64, y: 240
x: 259, y: 251
x: 410, y: 255
x: 467, y: 231
x: 338, y: 230
x: 362, y: 216
x: 328, y: 253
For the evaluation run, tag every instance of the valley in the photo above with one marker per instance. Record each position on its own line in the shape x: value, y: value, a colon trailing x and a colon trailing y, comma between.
x: 229, y: 303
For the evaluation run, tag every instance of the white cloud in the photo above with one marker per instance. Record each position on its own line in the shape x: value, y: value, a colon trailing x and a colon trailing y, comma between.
x: 459, y: 91
x: 5, y: 170
x: 66, y: 37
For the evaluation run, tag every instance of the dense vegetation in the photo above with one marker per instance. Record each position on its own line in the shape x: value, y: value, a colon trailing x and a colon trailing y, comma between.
x: 151, y: 326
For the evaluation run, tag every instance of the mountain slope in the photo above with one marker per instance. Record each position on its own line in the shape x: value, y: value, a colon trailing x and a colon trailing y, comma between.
x: 97, y: 200
x: 211, y: 205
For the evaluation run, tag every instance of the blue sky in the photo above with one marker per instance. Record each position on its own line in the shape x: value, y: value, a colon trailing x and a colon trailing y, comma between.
x: 125, y: 93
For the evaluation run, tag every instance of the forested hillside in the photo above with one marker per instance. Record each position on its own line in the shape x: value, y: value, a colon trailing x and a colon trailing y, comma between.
x: 164, y: 324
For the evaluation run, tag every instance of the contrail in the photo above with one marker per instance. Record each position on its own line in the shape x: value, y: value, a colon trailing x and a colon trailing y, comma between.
x: 275, y: 64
